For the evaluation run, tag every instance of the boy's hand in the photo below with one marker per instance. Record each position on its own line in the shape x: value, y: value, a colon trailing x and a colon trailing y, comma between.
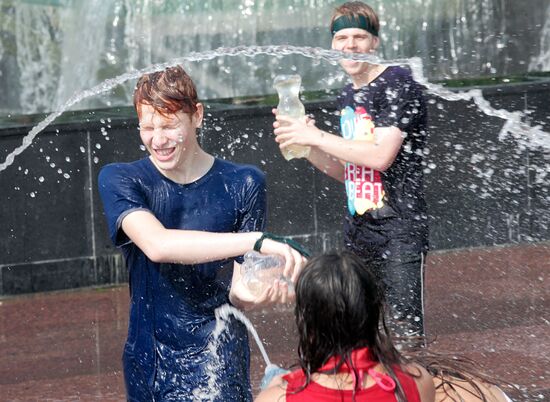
x: 276, y: 293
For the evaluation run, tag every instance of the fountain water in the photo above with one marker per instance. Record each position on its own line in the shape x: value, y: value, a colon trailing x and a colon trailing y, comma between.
x: 455, y: 38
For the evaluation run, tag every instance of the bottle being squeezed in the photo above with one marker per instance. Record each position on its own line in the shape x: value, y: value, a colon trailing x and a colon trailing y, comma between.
x: 288, y: 89
x: 260, y: 271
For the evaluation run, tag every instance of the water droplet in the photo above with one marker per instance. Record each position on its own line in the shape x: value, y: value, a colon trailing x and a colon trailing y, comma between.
x: 82, y: 150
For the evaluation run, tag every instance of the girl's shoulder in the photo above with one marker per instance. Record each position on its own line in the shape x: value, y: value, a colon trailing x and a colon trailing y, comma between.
x: 275, y: 393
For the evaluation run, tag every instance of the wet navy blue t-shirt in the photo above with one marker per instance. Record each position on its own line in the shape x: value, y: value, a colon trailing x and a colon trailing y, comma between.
x: 172, y: 305
x: 390, y: 204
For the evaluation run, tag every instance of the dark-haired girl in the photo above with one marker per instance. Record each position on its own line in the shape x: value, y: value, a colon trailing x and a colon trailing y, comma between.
x: 345, y: 352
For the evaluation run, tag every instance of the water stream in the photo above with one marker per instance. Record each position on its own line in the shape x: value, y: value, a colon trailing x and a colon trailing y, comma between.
x: 223, y: 313
x: 529, y: 136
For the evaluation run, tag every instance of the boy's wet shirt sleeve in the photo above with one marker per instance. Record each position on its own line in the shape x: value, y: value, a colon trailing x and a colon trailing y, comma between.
x: 120, y: 194
x: 254, y: 209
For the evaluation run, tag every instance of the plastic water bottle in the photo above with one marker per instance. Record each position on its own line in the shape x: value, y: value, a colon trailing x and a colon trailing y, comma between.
x: 288, y: 88
x: 260, y: 271
x: 271, y: 371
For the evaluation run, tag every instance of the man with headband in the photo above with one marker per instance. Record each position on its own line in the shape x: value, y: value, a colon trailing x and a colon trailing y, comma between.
x: 379, y: 158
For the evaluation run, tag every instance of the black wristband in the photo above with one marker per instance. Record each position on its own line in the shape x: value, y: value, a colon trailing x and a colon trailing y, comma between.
x: 292, y: 243
x: 258, y: 243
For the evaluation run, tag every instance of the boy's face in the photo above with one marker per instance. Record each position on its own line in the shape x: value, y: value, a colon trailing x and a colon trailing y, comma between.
x: 169, y: 138
x: 354, y: 40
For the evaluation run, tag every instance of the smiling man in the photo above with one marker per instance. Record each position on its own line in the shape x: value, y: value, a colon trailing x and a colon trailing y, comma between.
x: 183, y: 219
x: 379, y: 157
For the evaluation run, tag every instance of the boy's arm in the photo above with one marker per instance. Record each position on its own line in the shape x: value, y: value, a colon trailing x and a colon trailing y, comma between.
x: 192, y: 246
x: 183, y: 246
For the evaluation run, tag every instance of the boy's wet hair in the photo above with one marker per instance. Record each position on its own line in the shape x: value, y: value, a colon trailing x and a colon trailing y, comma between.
x: 353, y: 10
x: 168, y: 91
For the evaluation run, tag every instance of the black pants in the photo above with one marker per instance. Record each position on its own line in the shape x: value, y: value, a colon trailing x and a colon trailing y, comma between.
x: 403, y: 279
x: 399, y: 265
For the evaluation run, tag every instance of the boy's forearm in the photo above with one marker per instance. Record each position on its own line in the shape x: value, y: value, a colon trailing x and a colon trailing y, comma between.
x: 183, y: 246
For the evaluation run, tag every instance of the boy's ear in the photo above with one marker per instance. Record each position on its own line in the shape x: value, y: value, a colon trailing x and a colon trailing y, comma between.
x: 198, y: 115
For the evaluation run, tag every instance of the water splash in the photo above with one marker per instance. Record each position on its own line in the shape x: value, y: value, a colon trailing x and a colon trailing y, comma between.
x: 527, y: 135
x: 531, y: 136
x: 223, y: 313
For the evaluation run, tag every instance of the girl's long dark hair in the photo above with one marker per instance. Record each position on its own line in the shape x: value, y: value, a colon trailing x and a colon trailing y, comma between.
x: 339, y: 308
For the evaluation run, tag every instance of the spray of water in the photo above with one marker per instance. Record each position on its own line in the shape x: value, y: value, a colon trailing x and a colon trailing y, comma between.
x: 223, y: 313
x: 531, y: 136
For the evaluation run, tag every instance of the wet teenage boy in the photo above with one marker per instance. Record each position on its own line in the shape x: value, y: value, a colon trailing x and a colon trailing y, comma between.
x: 379, y: 158
x: 181, y: 217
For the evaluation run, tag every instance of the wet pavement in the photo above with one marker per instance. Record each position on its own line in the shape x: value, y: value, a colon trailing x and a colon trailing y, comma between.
x: 492, y: 305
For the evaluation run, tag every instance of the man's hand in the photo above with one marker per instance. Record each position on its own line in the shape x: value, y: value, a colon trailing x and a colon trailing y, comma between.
x: 298, y: 131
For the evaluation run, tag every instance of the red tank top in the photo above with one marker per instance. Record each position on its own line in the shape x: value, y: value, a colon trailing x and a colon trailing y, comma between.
x: 382, y: 391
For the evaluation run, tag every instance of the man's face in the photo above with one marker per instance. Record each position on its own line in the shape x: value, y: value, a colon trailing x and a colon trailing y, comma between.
x: 354, y: 40
x: 169, y: 138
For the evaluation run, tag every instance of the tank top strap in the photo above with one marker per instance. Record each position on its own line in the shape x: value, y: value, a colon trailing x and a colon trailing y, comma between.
x: 362, y: 362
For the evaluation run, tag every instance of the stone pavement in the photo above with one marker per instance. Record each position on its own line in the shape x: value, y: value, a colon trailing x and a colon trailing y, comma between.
x: 491, y: 305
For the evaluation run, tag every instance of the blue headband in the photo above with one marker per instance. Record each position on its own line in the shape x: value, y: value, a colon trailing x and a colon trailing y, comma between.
x: 360, y: 22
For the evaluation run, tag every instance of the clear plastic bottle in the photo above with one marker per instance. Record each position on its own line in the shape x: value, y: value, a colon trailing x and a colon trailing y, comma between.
x: 260, y: 271
x: 288, y: 88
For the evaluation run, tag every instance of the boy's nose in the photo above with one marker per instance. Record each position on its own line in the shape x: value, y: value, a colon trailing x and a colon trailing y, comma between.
x: 159, y: 138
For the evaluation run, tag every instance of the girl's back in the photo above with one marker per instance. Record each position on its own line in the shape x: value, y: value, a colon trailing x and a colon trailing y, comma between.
x: 376, y: 386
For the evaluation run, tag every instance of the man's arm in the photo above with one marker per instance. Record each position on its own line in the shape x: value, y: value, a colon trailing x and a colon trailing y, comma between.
x: 327, y: 164
x: 378, y: 155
